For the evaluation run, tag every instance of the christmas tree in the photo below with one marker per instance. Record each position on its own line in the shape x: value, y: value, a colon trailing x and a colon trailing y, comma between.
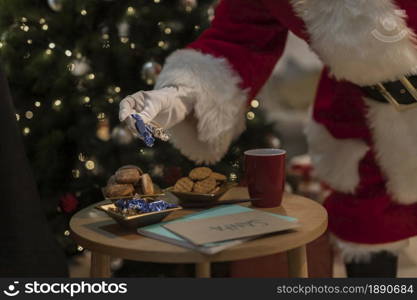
x: 69, y: 63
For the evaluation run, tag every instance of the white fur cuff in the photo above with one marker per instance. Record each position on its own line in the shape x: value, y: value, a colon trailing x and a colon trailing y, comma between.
x: 219, y: 110
x: 354, y: 252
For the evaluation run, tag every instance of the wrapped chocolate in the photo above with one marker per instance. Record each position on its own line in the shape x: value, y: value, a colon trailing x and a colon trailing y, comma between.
x: 138, y: 205
x: 148, y: 132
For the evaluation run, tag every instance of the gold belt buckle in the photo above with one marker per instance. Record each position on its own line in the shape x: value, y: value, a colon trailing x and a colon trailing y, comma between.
x: 398, y: 106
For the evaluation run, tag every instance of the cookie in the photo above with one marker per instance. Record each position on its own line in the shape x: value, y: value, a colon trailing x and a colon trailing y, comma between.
x: 147, y: 184
x: 216, y: 189
x: 200, y: 173
x: 127, y: 176
x: 112, y: 180
x: 184, y: 184
x: 119, y: 190
x: 131, y: 167
x: 138, y: 189
x: 204, y: 186
x: 218, y: 176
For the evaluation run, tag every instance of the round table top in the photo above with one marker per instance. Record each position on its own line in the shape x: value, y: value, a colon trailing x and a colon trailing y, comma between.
x: 96, y: 231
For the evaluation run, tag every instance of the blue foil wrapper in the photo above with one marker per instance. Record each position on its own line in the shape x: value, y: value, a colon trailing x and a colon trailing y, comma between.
x: 145, y: 131
x: 142, y: 205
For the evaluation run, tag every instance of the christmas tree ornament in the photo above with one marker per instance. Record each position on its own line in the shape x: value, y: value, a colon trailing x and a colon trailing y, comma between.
x: 150, y: 72
x: 56, y: 5
x: 79, y: 67
x: 103, y: 130
x: 272, y: 141
x: 123, y: 29
x: 188, y: 5
x: 121, y: 136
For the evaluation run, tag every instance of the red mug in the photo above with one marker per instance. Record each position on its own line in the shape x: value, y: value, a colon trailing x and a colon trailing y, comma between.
x: 265, y: 176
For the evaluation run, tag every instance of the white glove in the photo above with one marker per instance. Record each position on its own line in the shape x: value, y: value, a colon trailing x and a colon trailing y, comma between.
x: 166, y: 107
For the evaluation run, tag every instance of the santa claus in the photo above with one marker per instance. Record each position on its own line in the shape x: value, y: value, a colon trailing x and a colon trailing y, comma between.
x: 363, y: 130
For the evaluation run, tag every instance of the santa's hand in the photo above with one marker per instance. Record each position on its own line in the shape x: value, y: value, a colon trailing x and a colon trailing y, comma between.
x: 166, y: 107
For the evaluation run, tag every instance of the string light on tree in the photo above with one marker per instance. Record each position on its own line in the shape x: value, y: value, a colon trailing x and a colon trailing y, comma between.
x: 101, y: 116
x: 57, y: 104
x: 45, y: 27
x: 76, y: 173
x: 24, y: 27
x: 38, y: 103
x: 26, y: 131
x: 68, y: 53
x: 83, y: 12
x: 29, y: 115
x: 250, y: 115
x: 232, y: 177
x: 17, y: 117
x: 254, y: 103
x: 42, y: 21
x: 90, y: 165
x: 29, y: 41
x: 130, y: 11
x: 82, y: 157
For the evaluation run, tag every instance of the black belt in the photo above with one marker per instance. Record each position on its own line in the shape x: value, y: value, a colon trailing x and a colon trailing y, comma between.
x: 401, y: 93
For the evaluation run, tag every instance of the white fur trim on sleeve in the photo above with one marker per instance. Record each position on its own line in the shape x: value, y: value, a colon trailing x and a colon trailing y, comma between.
x: 219, y: 110
x: 362, y: 41
x: 336, y: 161
x: 355, y: 252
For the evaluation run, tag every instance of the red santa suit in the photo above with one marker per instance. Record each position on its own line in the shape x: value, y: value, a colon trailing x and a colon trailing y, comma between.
x: 366, y: 151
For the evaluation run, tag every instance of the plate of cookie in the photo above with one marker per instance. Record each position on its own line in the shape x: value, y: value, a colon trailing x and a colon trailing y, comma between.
x: 201, y: 187
x: 130, y: 181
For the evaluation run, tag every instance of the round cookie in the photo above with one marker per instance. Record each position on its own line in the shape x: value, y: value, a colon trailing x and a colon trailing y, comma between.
x: 147, y: 185
x: 204, y: 186
x: 183, y: 185
x: 200, y: 173
x: 111, y: 180
x: 218, y: 176
x: 131, y: 167
x: 127, y: 176
x: 119, y: 190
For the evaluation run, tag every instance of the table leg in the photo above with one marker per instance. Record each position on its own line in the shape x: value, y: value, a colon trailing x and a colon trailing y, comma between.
x: 202, y: 270
x: 297, y: 262
x: 100, y: 265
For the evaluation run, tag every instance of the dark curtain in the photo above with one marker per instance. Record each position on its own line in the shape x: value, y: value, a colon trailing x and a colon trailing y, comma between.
x: 27, y: 247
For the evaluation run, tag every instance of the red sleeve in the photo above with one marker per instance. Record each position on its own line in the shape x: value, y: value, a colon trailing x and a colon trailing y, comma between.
x: 249, y: 37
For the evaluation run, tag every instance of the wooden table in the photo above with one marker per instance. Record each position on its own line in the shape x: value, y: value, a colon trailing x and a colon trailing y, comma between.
x: 95, y: 231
